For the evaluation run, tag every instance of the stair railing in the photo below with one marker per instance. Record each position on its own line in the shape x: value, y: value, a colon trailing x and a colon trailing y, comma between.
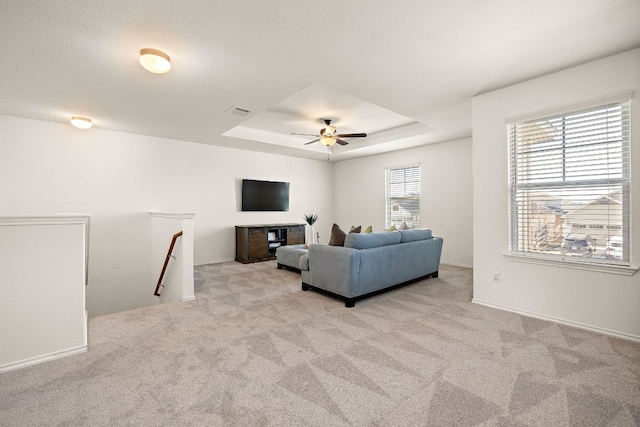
x: 166, y: 262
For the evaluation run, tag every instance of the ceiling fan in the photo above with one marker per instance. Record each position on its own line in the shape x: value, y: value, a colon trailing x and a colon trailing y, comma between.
x: 328, y: 135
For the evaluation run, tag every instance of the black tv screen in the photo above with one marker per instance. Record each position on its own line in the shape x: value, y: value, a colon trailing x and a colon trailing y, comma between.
x: 265, y: 195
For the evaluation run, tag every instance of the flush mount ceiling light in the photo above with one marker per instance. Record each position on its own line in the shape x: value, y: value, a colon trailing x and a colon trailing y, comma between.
x: 81, y: 122
x: 155, y: 61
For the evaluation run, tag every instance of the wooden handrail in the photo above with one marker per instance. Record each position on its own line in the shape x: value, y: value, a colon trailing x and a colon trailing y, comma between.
x: 166, y: 261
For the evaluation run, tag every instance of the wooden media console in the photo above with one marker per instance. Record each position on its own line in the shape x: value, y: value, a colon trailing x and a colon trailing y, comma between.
x: 256, y: 243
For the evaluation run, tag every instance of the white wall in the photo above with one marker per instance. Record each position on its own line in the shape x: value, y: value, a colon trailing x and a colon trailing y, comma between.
x: 603, y: 301
x: 119, y: 178
x: 445, y: 194
x: 42, y: 309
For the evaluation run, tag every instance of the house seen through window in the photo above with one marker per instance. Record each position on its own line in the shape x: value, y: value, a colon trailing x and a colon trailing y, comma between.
x: 403, y: 196
x: 570, y: 185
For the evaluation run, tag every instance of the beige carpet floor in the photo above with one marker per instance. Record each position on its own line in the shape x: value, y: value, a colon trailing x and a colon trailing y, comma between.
x: 254, y: 350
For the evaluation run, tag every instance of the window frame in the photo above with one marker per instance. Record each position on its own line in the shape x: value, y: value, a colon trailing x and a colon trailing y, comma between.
x: 415, y: 223
x: 516, y: 253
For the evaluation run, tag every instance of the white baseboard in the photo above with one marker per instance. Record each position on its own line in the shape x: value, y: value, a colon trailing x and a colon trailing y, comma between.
x: 41, y: 359
x: 455, y: 264
x: 189, y: 298
x: 591, y: 328
x: 215, y: 261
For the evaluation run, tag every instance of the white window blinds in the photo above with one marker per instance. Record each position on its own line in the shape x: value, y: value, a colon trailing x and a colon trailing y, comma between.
x: 403, y: 196
x: 569, y: 185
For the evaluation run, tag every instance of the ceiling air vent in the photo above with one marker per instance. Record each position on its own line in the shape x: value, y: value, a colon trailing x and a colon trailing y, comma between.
x: 239, y: 111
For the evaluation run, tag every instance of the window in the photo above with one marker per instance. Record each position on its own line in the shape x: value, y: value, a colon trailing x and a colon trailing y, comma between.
x: 403, y: 196
x: 569, y: 185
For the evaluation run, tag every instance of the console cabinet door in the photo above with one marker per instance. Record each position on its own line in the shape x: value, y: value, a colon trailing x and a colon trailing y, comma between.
x: 258, y: 243
x: 295, y: 235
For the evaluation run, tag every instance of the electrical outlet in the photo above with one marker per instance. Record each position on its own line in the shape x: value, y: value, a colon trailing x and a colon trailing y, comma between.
x: 496, y: 276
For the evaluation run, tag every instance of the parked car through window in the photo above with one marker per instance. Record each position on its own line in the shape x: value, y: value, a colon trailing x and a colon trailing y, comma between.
x: 578, y: 245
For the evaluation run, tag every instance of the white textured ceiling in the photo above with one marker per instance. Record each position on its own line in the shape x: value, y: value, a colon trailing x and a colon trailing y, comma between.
x: 402, y: 71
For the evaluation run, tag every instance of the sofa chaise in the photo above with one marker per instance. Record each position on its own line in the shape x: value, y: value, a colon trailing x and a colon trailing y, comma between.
x: 371, y: 263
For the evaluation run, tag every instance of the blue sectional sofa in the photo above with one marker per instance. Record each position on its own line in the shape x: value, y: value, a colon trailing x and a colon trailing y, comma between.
x: 371, y: 263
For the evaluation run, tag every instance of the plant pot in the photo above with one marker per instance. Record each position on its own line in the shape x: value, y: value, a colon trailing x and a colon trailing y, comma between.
x: 310, y: 235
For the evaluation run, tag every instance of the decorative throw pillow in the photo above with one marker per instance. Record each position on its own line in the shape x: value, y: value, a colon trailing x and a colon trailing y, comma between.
x: 337, y: 236
x: 404, y: 226
x: 392, y: 228
x: 368, y: 230
x: 355, y: 229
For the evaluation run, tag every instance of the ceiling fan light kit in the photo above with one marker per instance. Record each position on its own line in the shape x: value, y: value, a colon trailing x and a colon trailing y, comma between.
x: 328, y: 135
x: 328, y: 141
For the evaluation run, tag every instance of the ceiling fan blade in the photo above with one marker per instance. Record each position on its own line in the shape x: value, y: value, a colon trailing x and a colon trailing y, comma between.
x: 351, y: 135
x: 341, y: 142
x: 311, y: 142
x: 305, y: 134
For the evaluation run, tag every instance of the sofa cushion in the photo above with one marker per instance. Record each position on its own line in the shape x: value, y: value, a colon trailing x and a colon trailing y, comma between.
x: 403, y: 226
x: 337, y: 236
x: 303, y: 262
x: 355, y: 229
x: 392, y: 228
x: 415, y: 234
x: 369, y: 229
x: 371, y: 240
x: 290, y: 255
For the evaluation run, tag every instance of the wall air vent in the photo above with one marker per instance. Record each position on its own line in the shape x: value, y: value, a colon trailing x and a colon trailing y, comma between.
x: 239, y: 111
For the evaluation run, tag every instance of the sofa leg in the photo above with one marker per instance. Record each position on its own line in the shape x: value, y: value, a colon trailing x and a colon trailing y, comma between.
x: 280, y: 267
x: 305, y: 287
x: 349, y: 302
x: 435, y: 275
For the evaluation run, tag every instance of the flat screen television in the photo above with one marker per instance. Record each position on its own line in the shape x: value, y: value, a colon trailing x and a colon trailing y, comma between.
x: 265, y: 195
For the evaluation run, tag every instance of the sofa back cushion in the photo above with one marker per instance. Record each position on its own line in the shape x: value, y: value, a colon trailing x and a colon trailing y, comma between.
x: 371, y: 240
x: 415, y: 234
